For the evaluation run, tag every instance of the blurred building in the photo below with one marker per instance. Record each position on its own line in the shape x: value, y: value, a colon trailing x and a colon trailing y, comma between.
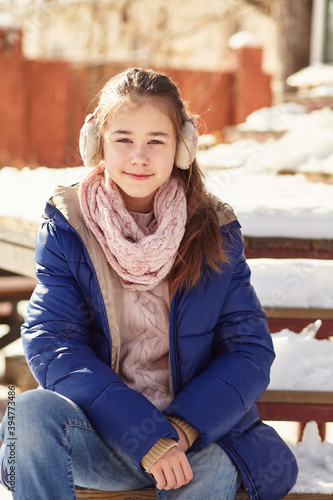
x: 51, y: 81
x: 55, y: 56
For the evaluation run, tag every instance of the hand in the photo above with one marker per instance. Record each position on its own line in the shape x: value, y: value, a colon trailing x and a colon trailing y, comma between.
x: 172, y: 470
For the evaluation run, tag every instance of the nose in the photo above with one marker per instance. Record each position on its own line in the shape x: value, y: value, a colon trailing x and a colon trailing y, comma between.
x: 139, y: 155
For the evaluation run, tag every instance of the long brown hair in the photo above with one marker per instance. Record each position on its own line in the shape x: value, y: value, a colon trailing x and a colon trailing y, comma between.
x: 202, y: 237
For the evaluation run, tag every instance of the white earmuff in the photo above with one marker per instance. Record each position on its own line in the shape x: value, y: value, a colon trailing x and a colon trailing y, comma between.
x: 188, y: 144
x: 89, y: 142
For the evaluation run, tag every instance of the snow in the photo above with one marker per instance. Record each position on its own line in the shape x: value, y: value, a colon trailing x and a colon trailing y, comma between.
x: 5, y: 494
x: 316, y: 74
x: 244, y: 39
x: 23, y: 193
x: 276, y: 118
x: 309, y: 137
x: 302, y: 283
x: 207, y: 141
x: 319, y: 91
x: 310, y: 370
x: 315, y: 463
x: 275, y: 206
x: 8, y: 22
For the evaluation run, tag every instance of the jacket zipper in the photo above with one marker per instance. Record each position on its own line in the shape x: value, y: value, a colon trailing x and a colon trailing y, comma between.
x: 233, y: 453
x: 86, y: 253
x: 173, y: 348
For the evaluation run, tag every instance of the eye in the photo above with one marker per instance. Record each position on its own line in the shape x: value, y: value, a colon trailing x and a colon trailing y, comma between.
x: 124, y: 140
x: 155, y: 141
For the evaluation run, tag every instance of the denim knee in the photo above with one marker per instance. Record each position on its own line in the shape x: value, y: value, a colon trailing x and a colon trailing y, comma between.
x: 39, y: 411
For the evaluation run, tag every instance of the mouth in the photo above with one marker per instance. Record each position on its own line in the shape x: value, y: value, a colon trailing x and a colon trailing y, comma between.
x: 138, y: 177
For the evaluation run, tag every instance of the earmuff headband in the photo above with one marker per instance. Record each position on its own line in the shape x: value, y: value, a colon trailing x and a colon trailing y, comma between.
x: 90, y: 147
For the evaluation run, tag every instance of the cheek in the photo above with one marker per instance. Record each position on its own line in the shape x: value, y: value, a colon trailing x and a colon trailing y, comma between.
x: 113, y: 157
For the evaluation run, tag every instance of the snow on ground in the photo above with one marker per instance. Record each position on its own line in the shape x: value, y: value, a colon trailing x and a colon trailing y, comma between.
x: 304, y: 283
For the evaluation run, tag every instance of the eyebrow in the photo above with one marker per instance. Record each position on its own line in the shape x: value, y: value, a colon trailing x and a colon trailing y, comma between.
x: 152, y: 134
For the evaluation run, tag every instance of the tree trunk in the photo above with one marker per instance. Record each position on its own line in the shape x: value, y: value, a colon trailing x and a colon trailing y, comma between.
x: 293, y: 19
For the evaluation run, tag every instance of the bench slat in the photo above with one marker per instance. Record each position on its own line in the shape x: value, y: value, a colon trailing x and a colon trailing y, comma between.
x: 298, y: 397
x: 16, y: 287
x: 150, y: 495
x: 115, y: 495
x: 298, y: 313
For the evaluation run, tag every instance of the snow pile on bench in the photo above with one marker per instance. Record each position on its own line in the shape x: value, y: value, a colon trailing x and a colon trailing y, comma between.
x: 315, y: 463
x: 306, y: 147
x: 299, y: 283
x: 302, y: 363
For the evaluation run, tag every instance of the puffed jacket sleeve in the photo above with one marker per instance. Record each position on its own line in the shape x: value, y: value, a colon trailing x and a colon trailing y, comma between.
x: 215, y: 400
x: 57, y: 337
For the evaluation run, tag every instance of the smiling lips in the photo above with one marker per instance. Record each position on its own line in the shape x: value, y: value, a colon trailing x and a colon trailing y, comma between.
x: 138, y: 177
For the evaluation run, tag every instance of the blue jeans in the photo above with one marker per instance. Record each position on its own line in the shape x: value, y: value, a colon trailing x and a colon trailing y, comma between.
x: 55, y: 448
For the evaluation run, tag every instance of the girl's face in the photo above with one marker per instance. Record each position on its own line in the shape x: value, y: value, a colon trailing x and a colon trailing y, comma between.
x: 139, y: 152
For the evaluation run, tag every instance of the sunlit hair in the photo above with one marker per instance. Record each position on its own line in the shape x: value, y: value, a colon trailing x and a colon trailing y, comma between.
x: 202, y: 236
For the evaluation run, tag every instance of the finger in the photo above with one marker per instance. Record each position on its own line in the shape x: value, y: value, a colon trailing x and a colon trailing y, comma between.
x: 181, y: 479
x: 183, y: 473
x: 170, y: 477
x: 159, y: 477
x: 187, y: 470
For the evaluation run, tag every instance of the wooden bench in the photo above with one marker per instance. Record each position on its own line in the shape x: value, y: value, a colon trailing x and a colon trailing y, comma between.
x: 17, y: 245
x: 12, y: 290
x: 297, y: 406
x: 291, y: 248
x: 150, y: 495
x: 296, y: 319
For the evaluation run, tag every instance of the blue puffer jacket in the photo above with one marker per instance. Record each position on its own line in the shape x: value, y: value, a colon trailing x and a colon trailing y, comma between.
x: 220, y: 355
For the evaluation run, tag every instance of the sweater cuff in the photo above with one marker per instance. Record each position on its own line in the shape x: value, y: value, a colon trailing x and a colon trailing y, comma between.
x: 191, y: 433
x: 157, y: 451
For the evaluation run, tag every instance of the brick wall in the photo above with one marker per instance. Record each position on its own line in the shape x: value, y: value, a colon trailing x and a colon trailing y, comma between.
x: 208, y: 94
x: 12, y: 97
x: 43, y: 103
x: 48, y: 112
x: 252, y: 89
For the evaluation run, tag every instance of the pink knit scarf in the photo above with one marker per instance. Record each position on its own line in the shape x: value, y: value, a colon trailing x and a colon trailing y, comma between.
x: 141, y: 256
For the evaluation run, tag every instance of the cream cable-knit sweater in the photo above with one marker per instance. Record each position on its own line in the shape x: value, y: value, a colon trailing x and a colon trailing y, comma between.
x: 144, y: 353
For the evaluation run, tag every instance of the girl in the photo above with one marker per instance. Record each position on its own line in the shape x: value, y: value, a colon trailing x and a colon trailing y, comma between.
x: 144, y: 333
